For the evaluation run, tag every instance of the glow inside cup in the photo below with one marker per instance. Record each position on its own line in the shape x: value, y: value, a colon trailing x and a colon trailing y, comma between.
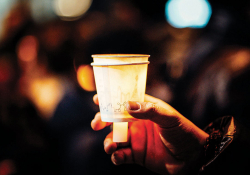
x: 119, y: 78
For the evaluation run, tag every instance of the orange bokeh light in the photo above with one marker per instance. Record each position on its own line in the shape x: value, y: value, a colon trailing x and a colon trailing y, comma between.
x: 27, y: 49
x: 85, y: 77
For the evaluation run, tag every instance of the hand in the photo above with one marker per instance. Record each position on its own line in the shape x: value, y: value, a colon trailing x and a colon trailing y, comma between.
x: 164, y: 141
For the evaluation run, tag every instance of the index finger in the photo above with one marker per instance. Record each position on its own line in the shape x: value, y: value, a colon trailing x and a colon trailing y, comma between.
x: 97, y: 123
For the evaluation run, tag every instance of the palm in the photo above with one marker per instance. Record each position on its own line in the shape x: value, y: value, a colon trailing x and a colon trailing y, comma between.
x: 148, y: 149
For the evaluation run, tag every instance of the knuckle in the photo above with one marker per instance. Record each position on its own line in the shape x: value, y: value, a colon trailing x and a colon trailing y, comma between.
x: 152, y: 107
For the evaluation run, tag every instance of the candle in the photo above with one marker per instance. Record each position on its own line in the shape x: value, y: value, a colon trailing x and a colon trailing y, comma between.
x: 120, y: 131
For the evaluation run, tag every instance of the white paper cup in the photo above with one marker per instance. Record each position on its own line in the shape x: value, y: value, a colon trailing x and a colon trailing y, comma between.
x: 119, y: 78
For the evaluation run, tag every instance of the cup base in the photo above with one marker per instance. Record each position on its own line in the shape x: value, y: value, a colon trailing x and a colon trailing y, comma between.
x: 106, y: 119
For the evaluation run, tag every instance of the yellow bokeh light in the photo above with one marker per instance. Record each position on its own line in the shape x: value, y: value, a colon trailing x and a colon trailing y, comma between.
x: 46, y: 94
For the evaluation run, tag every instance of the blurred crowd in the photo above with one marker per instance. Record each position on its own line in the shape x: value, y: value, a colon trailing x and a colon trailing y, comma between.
x: 47, y: 84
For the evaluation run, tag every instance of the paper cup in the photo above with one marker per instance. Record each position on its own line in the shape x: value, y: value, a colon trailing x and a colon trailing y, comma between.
x: 119, y: 78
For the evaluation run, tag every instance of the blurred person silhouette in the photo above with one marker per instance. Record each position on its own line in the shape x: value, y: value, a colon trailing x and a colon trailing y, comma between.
x: 26, y: 147
x: 69, y: 115
x: 215, y: 62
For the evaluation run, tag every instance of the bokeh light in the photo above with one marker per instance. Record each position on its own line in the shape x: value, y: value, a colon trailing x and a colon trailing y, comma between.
x: 27, y: 50
x: 188, y: 13
x: 46, y: 93
x: 71, y: 9
x: 85, y: 77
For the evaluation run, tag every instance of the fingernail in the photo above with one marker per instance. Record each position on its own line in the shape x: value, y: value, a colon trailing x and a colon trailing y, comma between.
x: 117, y: 157
x: 134, y: 106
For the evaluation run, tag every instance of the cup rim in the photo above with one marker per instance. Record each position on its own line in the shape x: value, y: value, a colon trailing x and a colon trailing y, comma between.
x: 118, y: 64
x: 120, y: 55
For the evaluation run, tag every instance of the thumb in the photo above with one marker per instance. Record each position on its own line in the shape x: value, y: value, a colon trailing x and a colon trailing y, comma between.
x: 162, y: 114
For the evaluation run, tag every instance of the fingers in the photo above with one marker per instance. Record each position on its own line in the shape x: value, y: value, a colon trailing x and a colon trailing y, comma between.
x: 155, y: 110
x: 119, y: 156
x: 110, y: 146
x: 97, y: 124
x: 122, y: 156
